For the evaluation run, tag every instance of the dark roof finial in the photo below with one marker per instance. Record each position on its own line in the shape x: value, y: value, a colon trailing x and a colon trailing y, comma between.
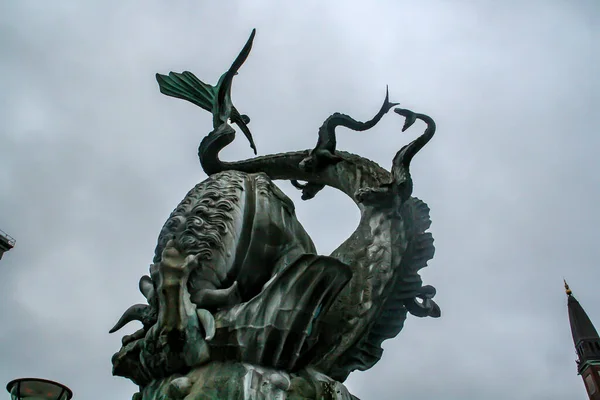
x: 567, y: 290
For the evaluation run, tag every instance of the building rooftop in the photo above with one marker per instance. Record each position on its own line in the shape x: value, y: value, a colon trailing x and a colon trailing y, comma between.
x: 7, y: 242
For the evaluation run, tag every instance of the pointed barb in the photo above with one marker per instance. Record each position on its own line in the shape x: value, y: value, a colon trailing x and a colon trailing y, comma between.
x: 387, y: 103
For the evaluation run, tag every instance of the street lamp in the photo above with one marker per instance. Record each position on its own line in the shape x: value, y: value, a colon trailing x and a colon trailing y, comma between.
x: 38, y: 389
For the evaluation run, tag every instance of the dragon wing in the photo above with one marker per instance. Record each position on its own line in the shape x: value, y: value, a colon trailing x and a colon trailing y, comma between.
x: 215, y: 99
x: 222, y: 106
x: 188, y: 87
x: 407, y: 285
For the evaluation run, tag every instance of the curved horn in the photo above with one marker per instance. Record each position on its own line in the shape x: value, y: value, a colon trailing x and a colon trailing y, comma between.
x: 217, y: 297
x: 137, y: 312
x: 207, y: 320
x: 146, y: 287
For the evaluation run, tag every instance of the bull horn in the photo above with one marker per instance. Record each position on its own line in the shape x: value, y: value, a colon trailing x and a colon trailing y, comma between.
x: 217, y: 297
x: 146, y: 287
x: 208, y: 323
x: 136, y: 312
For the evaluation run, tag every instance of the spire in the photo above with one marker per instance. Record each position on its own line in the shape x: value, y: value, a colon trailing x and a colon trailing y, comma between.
x: 587, y: 345
x: 567, y: 290
x: 581, y: 325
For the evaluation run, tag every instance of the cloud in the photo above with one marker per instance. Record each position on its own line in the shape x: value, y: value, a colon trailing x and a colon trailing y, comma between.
x: 93, y: 159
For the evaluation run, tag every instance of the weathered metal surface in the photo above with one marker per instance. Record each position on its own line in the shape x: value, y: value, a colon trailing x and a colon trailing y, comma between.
x: 237, y: 289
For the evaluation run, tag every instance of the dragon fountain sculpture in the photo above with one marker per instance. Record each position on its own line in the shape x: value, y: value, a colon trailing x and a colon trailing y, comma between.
x: 240, y: 305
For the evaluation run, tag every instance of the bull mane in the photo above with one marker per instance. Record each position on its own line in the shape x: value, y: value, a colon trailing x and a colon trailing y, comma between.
x: 198, y: 223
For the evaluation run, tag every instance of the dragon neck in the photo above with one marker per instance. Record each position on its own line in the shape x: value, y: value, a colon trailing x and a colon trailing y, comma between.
x: 416, y: 145
x: 401, y: 163
x: 349, y: 175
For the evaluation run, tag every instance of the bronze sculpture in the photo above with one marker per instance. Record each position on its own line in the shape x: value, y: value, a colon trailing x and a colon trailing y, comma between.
x: 240, y: 306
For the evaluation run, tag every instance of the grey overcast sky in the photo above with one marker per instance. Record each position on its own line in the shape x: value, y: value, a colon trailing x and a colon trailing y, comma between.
x: 93, y: 159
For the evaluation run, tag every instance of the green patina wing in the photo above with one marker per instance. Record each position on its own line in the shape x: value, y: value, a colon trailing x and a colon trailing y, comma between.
x: 223, y: 108
x: 367, y: 351
x: 214, y: 99
x: 187, y: 87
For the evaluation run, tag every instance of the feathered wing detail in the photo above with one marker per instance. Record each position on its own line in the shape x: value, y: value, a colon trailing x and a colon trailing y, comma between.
x: 188, y: 87
x: 406, y: 286
x: 214, y: 99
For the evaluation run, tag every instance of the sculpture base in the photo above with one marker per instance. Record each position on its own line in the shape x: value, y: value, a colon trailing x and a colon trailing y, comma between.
x: 233, y: 381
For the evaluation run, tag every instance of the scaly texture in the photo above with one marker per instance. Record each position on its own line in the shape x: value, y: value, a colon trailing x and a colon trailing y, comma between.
x: 237, y: 279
